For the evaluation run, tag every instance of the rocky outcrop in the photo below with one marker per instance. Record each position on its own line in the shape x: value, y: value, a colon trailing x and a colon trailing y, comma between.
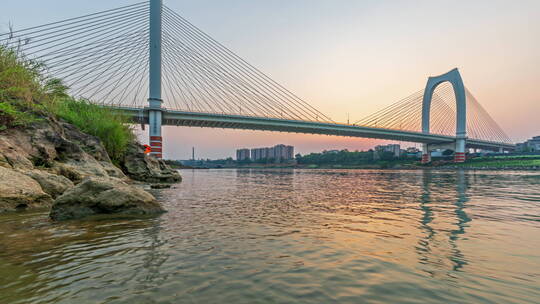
x: 66, y: 151
x: 59, y: 147
x: 143, y: 167
x: 12, y: 156
x: 18, y: 191
x: 52, y: 184
x: 103, y: 196
x: 50, y: 157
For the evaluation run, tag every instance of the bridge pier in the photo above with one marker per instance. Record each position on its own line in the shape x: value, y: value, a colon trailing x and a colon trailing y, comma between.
x: 156, y: 140
x: 426, y: 154
x: 459, y: 153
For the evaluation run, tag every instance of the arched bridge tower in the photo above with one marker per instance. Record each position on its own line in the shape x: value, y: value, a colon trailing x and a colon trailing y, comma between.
x: 455, y: 79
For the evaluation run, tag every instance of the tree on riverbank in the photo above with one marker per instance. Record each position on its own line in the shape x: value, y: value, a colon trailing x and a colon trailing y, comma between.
x: 343, y: 157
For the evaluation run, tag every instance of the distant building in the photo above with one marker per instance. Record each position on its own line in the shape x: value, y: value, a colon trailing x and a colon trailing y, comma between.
x: 531, y: 145
x: 262, y: 153
x: 278, y: 152
x: 437, y: 153
x: 242, y: 154
x: 283, y: 152
x: 269, y: 153
x: 393, y: 148
x: 413, y: 152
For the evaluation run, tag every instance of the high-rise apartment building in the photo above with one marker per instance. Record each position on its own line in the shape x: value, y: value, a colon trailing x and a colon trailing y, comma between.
x: 531, y: 145
x: 393, y: 148
x: 242, y: 154
x: 283, y: 152
x: 278, y: 153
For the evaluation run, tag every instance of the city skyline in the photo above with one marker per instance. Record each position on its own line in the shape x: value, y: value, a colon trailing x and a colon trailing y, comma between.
x: 350, y: 59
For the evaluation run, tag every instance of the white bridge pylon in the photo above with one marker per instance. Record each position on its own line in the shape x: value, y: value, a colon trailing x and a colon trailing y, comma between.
x: 454, y: 78
x: 155, y: 116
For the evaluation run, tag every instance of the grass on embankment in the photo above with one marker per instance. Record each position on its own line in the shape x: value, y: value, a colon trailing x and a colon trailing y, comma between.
x: 110, y: 127
x: 26, y: 96
x: 496, y: 162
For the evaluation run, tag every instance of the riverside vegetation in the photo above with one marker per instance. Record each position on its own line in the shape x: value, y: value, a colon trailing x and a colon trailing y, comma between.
x: 345, y: 159
x: 386, y: 160
x: 69, y: 155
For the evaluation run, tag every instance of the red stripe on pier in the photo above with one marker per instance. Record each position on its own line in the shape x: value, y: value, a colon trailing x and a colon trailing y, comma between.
x: 459, y: 157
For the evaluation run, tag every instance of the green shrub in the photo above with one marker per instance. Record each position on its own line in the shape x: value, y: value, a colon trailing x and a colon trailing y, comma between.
x: 19, y: 86
x: 10, y: 116
x: 26, y: 95
x: 20, y: 79
x: 110, y: 127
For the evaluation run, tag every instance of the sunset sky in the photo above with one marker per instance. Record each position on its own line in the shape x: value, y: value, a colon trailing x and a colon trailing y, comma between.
x: 352, y: 56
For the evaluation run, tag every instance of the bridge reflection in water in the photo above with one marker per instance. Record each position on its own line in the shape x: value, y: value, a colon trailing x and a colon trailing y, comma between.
x: 460, y: 180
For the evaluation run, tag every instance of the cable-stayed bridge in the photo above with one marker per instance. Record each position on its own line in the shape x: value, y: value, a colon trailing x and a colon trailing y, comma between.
x: 151, y: 63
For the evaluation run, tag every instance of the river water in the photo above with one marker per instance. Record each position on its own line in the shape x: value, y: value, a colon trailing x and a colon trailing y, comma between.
x: 292, y: 236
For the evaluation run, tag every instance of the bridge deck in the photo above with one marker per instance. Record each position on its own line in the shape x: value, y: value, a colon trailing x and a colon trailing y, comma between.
x: 227, y: 121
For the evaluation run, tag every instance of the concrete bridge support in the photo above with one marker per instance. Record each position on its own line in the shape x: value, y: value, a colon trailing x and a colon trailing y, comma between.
x: 461, y: 108
x: 426, y: 154
x: 459, y: 153
x: 156, y: 140
x: 154, y: 94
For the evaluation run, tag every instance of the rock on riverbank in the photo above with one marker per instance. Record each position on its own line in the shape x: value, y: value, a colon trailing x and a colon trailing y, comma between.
x: 18, y: 191
x: 101, y: 195
x: 52, y: 158
x: 146, y: 168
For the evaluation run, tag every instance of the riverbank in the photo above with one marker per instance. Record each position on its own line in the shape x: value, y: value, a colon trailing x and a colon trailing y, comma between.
x: 488, y: 162
x: 374, y: 160
x: 68, y: 155
x: 42, y: 163
x: 526, y: 163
